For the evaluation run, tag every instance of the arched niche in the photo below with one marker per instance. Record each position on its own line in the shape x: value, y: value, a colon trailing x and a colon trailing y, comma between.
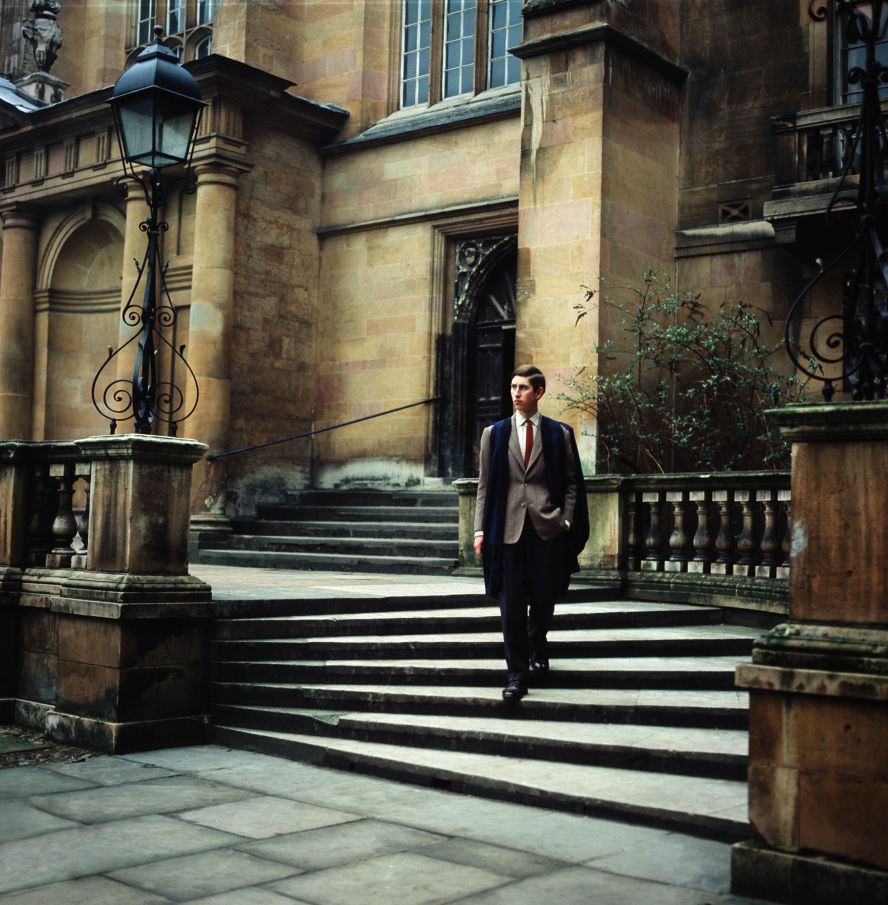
x: 78, y: 312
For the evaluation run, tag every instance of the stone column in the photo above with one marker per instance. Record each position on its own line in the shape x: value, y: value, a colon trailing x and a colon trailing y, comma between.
x: 818, y: 773
x: 17, y: 269
x: 209, y: 331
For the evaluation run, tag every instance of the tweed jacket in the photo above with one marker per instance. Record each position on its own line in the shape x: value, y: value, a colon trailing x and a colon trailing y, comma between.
x: 528, y: 492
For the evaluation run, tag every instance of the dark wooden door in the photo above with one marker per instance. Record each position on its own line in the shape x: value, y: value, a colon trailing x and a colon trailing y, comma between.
x: 492, y: 362
x: 475, y: 363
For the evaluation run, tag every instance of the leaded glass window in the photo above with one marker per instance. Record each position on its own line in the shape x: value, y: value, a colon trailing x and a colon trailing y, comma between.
x: 460, y: 17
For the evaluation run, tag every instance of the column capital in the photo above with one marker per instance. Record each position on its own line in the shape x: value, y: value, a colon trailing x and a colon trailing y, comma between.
x: 214, y: 172
x: 19, y: 216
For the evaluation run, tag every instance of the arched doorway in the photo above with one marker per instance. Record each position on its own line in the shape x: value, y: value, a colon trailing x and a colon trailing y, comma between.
x: 476, y: 359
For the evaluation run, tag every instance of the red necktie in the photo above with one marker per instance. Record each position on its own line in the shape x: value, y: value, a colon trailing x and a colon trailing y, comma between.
x: 528, y: 442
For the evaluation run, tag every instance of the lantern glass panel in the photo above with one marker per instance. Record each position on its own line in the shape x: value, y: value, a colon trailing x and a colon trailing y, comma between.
x: 137, y: 129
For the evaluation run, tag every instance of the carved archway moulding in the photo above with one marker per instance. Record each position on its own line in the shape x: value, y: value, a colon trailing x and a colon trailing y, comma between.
x: 476, y: 259
x: 78, y: 217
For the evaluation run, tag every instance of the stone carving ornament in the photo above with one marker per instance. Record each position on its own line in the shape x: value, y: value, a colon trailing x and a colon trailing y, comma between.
x: 474, y: 258
x: 43, y: 36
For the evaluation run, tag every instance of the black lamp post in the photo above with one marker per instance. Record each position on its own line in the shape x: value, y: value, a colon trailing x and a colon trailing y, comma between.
x: 850, y: 346
x: 156, y: 105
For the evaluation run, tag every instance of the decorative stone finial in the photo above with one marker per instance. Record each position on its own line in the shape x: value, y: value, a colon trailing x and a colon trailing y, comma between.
x: 43, y: 36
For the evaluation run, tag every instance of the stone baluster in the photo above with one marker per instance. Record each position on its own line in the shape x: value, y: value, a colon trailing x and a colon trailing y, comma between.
x: 747, y: 545
x: 770, y: 545
x: 703, y: 539
x: 784, y: 497
x: 678, y: 539
x: 633, y: 535
x: 653, y: 542
x: 64, y: 525
x: 40, y: 528
x: 724, y: 542
x: 81, y: 542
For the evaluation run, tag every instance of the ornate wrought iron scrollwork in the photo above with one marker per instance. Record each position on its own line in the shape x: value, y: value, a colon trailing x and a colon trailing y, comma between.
x: 150, y: 395
x: 850, y: 346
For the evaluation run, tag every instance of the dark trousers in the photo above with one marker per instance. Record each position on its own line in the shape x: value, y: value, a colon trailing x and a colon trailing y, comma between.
x: 533, y: 570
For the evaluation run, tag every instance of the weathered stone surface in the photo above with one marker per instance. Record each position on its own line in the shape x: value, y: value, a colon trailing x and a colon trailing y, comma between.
x: 140, y: 502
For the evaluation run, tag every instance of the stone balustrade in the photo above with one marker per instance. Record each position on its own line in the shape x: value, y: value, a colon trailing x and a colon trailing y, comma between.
x: 733, y: 523
x: 814, y: 145
x: 718, y: 530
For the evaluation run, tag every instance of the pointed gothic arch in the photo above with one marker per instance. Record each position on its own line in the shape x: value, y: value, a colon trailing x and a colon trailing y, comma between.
x: 476, y: 356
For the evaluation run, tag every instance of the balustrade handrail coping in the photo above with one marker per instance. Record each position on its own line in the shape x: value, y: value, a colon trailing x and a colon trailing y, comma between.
x: 39, y: 450
x: 819, y: 116
x: 727, y: 480
x: 104, y: 446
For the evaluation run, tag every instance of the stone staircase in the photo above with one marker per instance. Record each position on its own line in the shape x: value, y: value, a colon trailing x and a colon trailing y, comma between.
x: 638, y: 719
x: 347, y: 531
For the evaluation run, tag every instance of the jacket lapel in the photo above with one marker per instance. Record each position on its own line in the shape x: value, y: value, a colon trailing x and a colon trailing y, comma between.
x: 537, y: 446
x: 515, y: 446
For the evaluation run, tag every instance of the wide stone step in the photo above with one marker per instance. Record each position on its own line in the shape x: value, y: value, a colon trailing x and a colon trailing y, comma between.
x: 463, y: 618
x: 444, y: 531
x: 697, y: 752
x: 333, y: 562
x: 563, y: 645
x: 398, y: 546
x: 414, y: 514
x: 706, y: 806
x: 715, y: 673
x: 650, y: 707
x: 406, y: 499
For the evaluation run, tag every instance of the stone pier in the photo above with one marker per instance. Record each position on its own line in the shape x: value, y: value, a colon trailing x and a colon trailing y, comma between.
x: 818, y: 685
x: 113, y: 656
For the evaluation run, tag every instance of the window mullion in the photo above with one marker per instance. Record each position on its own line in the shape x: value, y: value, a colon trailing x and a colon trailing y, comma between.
x: 436, y: 53
x: 482, y: 45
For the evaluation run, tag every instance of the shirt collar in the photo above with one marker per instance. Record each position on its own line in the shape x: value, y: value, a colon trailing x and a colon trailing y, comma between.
x: 534, y: 419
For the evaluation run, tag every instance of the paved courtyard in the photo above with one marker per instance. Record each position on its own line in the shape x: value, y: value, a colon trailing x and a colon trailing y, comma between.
x: 215, y: 826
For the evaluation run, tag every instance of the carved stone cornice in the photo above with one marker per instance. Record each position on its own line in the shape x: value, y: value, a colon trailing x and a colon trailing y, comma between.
x: 610, y: 37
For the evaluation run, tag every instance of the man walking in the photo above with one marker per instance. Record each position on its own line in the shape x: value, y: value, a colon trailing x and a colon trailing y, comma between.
x: 531, y: 522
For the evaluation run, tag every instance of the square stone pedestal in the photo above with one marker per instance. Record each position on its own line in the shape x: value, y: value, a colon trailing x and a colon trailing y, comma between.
x: 113, y: 656
x: 818, y: 684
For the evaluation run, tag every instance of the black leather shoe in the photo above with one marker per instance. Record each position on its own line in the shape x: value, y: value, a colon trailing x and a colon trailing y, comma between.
x: 514, y: 691
x: 539, y: 664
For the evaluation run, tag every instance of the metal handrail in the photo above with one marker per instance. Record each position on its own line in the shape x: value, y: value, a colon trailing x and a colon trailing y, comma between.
x: 212, y: 457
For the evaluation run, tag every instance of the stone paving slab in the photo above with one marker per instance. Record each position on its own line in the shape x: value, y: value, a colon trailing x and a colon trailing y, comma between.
x: 248, y: 896
x: 156, y: 796
x: 335, y: 845
x: 88, y: 850
x: 581, y: 886
x: 22, y: 782
x: 407, y: 878
x: 18, y: 820
x: 88, y: 891
x: 111, y: 771
x: 205, y: 874
x: 399, y: 844
x: 266, y: 816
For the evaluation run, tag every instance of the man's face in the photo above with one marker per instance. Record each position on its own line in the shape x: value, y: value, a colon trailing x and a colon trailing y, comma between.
x: 525, y: 397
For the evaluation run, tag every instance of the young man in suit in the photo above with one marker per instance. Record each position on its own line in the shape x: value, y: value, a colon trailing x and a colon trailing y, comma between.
x: 531, y: 522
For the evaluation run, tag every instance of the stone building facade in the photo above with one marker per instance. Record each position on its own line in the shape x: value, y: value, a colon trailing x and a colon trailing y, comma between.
x: 397, y: 200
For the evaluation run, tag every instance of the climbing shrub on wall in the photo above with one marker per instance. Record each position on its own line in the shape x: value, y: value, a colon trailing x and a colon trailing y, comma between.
x: 688, y: 388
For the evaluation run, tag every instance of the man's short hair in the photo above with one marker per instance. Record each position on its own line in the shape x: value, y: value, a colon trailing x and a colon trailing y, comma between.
x: 534, y: 375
